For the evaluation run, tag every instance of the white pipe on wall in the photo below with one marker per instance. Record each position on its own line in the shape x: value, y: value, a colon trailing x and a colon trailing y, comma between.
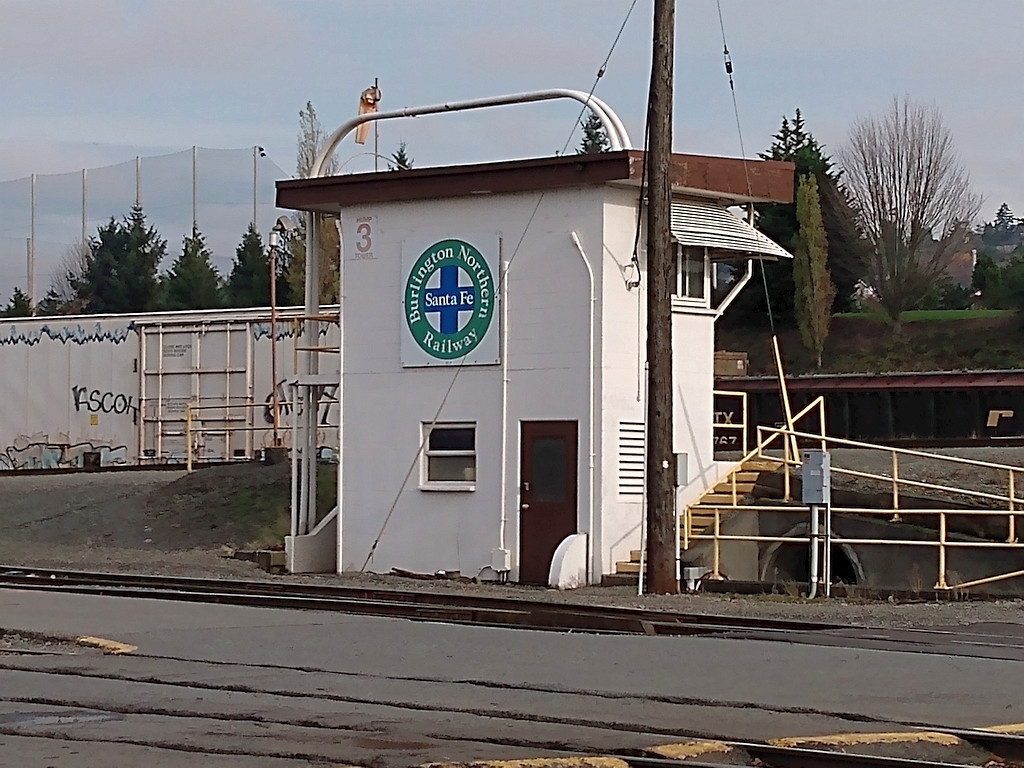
x: 812, y: 590
x: 504, y: 405
x: 340, y: 394
x: 590, y: 418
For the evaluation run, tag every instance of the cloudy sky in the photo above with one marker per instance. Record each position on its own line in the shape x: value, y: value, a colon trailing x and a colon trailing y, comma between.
x: 94, y: 83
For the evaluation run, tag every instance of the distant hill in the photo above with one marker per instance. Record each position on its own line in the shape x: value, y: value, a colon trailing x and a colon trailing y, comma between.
x: 968, y: 340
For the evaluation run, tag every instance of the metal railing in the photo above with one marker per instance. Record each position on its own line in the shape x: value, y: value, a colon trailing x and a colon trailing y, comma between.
x: 780, y: 445
x: 195, y: 429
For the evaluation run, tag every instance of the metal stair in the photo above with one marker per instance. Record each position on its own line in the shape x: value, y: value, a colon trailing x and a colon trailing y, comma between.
x: 727, y: 494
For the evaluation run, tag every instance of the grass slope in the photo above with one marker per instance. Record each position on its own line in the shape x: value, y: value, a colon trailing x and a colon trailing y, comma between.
x: 929, y: 341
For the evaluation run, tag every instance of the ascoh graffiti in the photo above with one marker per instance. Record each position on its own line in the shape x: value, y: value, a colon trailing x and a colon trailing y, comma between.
x: 98, y: 401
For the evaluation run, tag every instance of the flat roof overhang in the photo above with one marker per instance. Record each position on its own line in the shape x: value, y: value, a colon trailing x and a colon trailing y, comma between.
x: 730, y: 181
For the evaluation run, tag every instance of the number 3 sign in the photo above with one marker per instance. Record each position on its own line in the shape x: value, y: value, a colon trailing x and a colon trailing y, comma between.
x: 365, y: 231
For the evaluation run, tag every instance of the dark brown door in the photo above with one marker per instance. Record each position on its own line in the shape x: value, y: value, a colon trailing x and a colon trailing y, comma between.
x: 547, y: 495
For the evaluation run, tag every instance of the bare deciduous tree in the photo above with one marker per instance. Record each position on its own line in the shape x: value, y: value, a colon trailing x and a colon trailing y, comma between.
x: 312, y: 138
x: 913, y: 197
x: 61, y: 295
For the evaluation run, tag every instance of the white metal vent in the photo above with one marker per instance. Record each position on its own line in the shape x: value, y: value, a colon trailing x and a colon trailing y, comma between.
x: 711, y: 226
x: 631, y: 458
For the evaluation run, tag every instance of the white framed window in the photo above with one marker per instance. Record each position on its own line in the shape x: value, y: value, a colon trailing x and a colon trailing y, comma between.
x: 691, y: 273
x: 449, y: 457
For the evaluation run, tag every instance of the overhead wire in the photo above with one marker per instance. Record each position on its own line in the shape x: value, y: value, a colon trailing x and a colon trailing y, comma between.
x: 600, y: 73
x: 503, y: 274
x: 743, y: 152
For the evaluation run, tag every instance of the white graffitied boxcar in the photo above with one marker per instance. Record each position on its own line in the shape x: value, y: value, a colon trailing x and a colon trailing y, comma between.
x: 117, y: 387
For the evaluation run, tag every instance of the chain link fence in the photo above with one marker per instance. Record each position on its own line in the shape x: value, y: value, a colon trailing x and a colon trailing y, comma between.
x: 44, y: 218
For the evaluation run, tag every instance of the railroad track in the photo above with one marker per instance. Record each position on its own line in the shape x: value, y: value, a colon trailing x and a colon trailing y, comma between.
x: 183, y: 684
x: 415, y: 605
x: 512, y: 613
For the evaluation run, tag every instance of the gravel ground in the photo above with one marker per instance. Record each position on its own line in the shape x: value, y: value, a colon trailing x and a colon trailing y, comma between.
x: 164, y: 522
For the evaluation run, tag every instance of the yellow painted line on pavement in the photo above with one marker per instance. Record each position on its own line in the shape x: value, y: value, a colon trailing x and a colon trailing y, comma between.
x: 689, y: 749
x: 1007, y: 728
x: 107, y: 646
x: 539, y: 762
x: 853, y: 739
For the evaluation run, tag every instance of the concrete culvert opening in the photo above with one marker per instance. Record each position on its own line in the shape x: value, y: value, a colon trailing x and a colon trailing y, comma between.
x: 792, y: 563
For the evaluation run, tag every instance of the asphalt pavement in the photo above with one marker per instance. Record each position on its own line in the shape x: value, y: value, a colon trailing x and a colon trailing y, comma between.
x: 254, y: 686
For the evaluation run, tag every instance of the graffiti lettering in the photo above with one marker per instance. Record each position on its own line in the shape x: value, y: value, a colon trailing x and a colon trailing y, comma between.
x: 325, y: 400
x: 283, y: 407
x: 97, y: 401
x: 39, y: 452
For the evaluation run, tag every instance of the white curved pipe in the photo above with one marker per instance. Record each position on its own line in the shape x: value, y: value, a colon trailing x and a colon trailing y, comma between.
x: 591, y: 503
x: 812, y: 578
x: 503, y: 522
x: 617, y: 136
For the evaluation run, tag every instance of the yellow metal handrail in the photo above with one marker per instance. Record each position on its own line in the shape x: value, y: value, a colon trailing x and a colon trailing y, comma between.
x: 767, y: 437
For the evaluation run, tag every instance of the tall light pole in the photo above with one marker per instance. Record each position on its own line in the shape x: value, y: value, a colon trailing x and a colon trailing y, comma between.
x: 257, y: 153
x: 661, y: 469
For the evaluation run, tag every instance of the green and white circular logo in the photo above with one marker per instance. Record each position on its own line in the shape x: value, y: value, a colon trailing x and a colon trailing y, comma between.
x: 449, y: 299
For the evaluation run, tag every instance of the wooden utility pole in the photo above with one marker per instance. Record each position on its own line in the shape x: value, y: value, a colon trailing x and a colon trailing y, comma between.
x: 661, y: 470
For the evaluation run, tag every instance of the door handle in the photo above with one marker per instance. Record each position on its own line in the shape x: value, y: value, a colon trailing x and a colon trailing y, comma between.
x: 524, y: 506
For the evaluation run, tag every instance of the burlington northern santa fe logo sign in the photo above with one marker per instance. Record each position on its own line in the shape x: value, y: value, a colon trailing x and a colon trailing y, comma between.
x: 450, y: 300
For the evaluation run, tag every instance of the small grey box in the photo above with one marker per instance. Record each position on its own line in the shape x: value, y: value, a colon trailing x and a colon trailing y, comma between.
x: 816, y: 476
x: 682, y: 471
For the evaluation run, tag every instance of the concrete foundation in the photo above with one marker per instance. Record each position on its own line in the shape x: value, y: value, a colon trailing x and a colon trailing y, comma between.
x: 317, y: 551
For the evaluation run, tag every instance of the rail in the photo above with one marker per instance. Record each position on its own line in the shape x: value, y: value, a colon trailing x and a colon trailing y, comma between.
x: 781, y: 445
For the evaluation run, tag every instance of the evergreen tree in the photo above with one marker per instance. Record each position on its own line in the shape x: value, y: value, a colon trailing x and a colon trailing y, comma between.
x: 594, y: 137
x: 400, y: 160
x: 53, y: 304
x: 986, y: 281
x: 814, y: 289
x: 192, y: 282
x: 1004, y: 218
x: 1013, y: 280
x: 18, y: 306
x: 1004, y: 229
x: 846, y: 250
x: 120, y: 269
x: 249, y: 282
x: 248, y: 285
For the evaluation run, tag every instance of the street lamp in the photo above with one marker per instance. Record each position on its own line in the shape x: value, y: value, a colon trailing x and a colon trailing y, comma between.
x: 279, y: 233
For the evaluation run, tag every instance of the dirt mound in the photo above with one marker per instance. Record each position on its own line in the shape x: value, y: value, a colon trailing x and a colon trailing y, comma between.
x: 239, y: 504
x: 244, y: 505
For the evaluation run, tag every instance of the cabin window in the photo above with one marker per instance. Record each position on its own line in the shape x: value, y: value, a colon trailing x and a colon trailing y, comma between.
x: 449, y: 457
x: 691, y: 271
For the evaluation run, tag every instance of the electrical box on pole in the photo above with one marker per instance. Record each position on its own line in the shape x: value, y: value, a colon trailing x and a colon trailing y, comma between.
x: 816, y: 476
